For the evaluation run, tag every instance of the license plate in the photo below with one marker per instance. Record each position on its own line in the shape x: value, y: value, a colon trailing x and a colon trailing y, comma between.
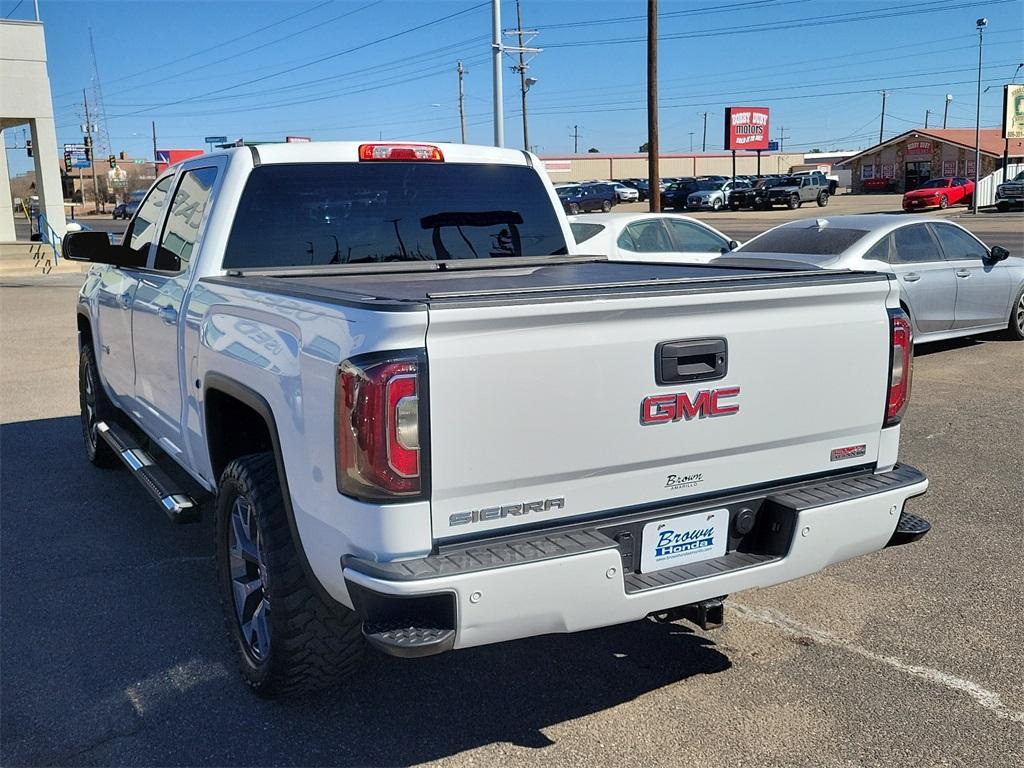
x: 685, y: 539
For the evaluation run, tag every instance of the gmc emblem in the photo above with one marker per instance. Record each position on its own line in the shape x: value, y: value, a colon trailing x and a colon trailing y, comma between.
x: 663, y: 409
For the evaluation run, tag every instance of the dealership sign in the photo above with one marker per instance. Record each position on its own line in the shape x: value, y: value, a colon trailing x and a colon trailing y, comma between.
x: 746, y: 128
x: 919, y: 147
x: 1013, y: 112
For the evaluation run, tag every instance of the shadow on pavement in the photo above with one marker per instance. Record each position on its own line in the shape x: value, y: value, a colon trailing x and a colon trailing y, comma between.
x: 113, y: 649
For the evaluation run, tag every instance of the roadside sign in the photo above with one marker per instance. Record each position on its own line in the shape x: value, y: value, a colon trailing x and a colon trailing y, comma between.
x: 216, y: 140
x: 746, y: 128
x: 297, y: 139
x: 773, y: 146
x: 75, y: 156
x: 163, y: 156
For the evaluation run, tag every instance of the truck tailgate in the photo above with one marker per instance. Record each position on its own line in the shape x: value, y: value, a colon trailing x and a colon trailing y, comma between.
x: 536, y: 407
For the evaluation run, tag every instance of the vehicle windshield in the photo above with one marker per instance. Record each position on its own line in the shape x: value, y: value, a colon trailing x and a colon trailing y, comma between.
x: 935, y: 184
x: 820, y: 244
x: 1018, y: 177
x: 766, y: 183
x: 790, y: 181
x: 563, y: 191
x: 707, y: 186
x: 367, y: 213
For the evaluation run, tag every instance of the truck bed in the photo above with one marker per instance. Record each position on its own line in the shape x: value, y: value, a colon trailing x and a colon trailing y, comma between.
x: 403, y: 287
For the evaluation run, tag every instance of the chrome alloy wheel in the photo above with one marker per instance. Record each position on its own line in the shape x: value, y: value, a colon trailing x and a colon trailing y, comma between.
x: 249, y: 582
x: 1020, y: 314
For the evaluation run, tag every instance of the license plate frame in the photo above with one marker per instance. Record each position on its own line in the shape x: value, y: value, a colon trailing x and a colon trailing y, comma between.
x: 684, y: 539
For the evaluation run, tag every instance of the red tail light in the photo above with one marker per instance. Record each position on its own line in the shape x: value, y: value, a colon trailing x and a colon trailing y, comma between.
x: 901, y: 361
x: 426, y: 152
x: 378, y: 431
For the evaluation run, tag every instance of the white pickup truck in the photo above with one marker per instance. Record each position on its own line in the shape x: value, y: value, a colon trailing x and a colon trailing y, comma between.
x: 423, y: 421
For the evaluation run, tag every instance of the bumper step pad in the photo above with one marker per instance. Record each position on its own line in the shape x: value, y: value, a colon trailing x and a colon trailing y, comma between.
x: 178, y: 505
x: 409, y: 642
x: 909, y: 529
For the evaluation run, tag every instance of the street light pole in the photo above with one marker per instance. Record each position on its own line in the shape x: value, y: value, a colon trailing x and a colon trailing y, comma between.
x: 496, y: 48
x: 653, y: 170
x: 945, y: 112
x: 981, y: 24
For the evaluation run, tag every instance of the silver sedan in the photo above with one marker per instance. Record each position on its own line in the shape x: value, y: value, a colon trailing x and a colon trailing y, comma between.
x: 951, y: 283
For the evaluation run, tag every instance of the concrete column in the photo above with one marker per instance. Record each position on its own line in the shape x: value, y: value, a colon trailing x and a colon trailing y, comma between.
x: 48, y: 186
x: 6, y: 206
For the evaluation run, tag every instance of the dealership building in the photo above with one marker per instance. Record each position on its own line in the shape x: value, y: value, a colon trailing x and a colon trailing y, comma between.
x: 910, y: 159
x: 594, y: 165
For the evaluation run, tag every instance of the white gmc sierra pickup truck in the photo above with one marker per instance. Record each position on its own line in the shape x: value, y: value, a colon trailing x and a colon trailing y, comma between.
x: 424, y: 421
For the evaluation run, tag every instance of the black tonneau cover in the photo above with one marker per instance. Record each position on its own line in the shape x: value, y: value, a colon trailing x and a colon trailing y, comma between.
x: 566, y: 280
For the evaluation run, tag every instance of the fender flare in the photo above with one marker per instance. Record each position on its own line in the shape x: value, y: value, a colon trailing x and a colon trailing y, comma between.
x: 254, y: 400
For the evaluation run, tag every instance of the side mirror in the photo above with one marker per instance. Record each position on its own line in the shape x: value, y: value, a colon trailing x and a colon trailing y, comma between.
x: 733, y: 245
x: 998, y: 253
x: 95, y: 247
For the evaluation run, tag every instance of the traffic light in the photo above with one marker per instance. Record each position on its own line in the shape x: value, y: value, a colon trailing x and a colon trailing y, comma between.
x: 87, y: 141
x: 28, y: 147
x: 88, y: 154
x: 112, y: 160
x: 67, y: 162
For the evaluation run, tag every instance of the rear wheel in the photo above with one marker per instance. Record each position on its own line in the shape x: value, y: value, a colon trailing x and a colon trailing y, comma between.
x: 823, y: 199
x: 288, y: 639
x: 943, y: 202
x: 716, y: 204
x: 793, y: 203
x: 95, y: 407
x: 606, y: 206
x: 1002, y: 207
x: 573, y: 208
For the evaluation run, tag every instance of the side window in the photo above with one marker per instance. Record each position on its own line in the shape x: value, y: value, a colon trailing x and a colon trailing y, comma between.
x: 186, y: 215
x: 913, y: 245
x: 879, y: 251
x: 142, y: 231
x: 693, y: 237
x: 957, y: 244
x: 645, y: 237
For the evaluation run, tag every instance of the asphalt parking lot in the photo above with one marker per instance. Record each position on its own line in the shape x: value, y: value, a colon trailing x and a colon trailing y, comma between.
x: 112, y: 649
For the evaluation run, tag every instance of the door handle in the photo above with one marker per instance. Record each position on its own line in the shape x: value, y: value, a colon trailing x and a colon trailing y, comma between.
x: 125, y: 299
x: 912, y: 277
x: 168, y: 315
x: 963, y: 273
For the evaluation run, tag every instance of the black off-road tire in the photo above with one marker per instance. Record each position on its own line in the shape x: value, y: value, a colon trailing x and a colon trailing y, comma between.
x: 793, y: 202
x: 823, y: 199
x: 1002, y: 207
x: 95, y: 407
x: 313, y: 644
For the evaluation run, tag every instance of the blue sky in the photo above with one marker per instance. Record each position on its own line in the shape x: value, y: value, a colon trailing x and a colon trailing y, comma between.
x: 355, y: 69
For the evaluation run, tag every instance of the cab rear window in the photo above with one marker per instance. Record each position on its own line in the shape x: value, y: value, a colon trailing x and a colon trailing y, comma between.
x: 362, y: 213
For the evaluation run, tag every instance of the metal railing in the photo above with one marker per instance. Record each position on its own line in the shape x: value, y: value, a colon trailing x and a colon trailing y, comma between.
x: 48, y: 235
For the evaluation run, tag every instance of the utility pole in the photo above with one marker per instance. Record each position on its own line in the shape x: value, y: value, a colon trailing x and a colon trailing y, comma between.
x: 881, y: 128
x: 92, y: 154
x: 782, y: 139
x: 496, y: 49
x: 927, y: 113
x: 704, y: 141
x: 691, y: 142
x: 524, y: 82
x: 156, y: 165
x: 575, y: 139
x: 653, y: 172
x: 462, y: 102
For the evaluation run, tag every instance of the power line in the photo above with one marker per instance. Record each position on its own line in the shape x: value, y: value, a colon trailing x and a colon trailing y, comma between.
x: 709, y: 10
x: 275, y: 41
x: 911, y: 9
x: 15, y: 8
x: 215, y: 47
x: 322, y: 59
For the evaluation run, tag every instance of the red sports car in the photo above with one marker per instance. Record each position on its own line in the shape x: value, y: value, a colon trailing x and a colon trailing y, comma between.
x: 939, y: 193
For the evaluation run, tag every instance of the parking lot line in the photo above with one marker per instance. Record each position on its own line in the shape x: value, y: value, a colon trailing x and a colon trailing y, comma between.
x: 769, y: 616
